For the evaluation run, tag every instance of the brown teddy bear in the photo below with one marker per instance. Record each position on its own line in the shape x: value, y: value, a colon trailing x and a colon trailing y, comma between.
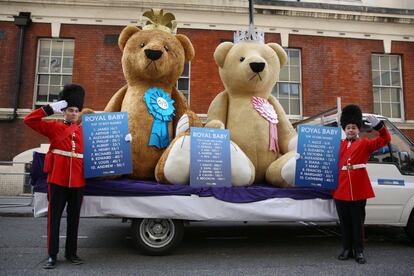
x: 256, y: 120
x: 152, y: 60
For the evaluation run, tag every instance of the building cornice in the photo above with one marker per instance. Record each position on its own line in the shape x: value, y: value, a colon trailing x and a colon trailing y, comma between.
x: 350, y: 8
x: 291, y: 8
x: 337, y: 15
x: 224, y: 15
x: 200, y: 5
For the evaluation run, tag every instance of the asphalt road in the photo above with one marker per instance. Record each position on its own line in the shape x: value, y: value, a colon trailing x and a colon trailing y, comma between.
x: 207, y: 249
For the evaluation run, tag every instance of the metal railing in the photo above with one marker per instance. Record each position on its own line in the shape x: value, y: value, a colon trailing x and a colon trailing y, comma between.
x: 15, y: 181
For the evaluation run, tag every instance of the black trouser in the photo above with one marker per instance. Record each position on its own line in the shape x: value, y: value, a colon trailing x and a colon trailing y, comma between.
x: 352, y: 217
x: 58, y: 197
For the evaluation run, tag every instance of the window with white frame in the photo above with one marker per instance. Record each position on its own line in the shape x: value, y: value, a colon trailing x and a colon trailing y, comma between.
x: 183, y: 83
x: 54, y: 68
x: 288, y: 89
x: 387, y: 85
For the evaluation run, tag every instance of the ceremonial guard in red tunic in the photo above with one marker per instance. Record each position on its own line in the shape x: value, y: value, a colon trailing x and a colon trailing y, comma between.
x: 64, y: 166
x: 354, y: 186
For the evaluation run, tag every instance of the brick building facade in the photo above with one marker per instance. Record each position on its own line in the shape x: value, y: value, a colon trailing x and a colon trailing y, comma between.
x: 327, y: 62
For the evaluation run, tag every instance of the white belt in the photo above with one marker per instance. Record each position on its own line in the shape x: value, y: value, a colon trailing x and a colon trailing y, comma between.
x: 354, y: 167
x: 67, y: 153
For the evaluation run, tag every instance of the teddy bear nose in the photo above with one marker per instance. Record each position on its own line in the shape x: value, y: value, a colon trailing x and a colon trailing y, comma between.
x: 153, y: 54
x: 257, y: 66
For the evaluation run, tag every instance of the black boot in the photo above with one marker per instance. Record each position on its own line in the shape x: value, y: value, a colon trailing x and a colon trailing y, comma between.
x: 345, y: 255
x: 359, y: 258
x: 74, y: 259
x: 51, y: 263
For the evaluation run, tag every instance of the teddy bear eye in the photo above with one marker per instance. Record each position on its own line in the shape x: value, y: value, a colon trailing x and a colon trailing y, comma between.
x: 242, y: 59
x: 166, y: 48
x: 142, y: 45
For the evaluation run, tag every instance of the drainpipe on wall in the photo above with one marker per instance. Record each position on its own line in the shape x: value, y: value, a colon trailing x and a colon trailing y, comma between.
x: 22, y: 21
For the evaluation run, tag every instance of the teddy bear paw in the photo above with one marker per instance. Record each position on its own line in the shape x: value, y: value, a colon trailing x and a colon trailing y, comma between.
x: 177, y: 165
x: 84, y: 111
x: 183, y: 125
x: 242, y: 169
x: 215, y: 124
x: 293, y: 144
x: 289, y: 170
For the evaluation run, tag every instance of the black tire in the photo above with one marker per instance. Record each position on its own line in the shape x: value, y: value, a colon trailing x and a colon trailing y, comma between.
x: 409, y: 229
x: 156, y: 237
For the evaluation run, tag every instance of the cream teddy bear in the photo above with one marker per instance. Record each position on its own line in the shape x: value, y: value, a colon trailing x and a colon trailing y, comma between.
x: 256, y: 120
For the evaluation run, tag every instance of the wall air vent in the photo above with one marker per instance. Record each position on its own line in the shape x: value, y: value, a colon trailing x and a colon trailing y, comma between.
x: 111, y: 39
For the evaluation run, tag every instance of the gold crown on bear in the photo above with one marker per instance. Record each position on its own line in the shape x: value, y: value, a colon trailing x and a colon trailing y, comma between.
x: 160, y: 21
x: 249, y: 35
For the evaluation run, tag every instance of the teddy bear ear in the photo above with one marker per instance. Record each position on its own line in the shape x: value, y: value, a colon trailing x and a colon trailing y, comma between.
x: 126, y: 33
x: 221, y: 52
x: 188, y: 47
x: 280, y: 52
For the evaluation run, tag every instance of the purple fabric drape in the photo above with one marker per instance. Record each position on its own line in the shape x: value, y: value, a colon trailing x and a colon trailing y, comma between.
x: 131, y: 187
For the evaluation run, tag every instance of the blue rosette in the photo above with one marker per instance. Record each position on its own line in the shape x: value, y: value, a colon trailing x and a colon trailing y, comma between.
x: 160, y: 106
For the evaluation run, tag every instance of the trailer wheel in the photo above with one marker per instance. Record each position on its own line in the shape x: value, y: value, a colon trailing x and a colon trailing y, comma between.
x: 409, y: 229
x: 157, y: 237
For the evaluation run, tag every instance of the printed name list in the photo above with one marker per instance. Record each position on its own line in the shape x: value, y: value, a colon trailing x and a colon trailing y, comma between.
x: 210, y: 157
x: 105, y: 150
x: 318, y: 149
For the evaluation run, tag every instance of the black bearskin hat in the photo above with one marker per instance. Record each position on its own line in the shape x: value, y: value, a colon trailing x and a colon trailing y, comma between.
x: 73, y: 94
x: 351, y: 114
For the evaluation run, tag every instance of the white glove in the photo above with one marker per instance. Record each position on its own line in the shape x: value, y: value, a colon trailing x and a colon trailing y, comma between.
x: 372, y: 121
x: 58, y: 106
x: 128, y: 137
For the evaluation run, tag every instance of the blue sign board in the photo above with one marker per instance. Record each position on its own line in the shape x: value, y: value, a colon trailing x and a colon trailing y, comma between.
x: 210, y: 157
x: 106, y: 151
x: 318, y: 147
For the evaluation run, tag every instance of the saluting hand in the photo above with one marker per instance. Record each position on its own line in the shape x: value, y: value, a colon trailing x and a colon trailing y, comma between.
x: 372, y: 121
x: 58, y: 106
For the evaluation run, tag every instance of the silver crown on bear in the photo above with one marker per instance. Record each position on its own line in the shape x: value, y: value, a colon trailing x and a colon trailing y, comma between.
x: 249, y: 35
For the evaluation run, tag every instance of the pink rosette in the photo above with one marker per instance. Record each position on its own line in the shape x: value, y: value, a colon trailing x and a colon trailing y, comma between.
x: 267, y: 111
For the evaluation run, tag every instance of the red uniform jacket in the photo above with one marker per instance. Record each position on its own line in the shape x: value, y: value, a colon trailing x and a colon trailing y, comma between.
x: 355, y: 184
x: 66, y: 171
